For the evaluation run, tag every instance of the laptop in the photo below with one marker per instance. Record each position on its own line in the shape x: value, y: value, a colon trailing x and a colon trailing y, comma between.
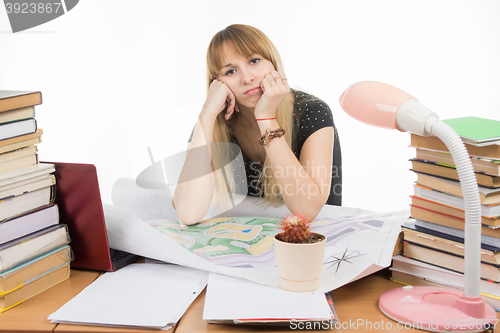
x: 80, y: 208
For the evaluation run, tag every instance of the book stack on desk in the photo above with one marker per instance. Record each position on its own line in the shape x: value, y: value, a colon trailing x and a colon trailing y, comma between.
x: 434, y: 242
x: 34, y: 251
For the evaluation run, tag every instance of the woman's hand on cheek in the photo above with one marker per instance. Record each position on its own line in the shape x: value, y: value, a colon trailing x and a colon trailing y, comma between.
x: 275, y: 88
x: 219, y: 97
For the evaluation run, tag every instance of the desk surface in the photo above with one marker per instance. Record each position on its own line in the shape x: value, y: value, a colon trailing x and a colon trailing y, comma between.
x: 31, y: 316
x: 356, y: 305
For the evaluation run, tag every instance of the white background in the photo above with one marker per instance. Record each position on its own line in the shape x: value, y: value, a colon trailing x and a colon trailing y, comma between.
x: 119, y: 75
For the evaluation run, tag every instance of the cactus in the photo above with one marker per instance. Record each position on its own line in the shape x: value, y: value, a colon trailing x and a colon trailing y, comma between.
x: 295, y: 229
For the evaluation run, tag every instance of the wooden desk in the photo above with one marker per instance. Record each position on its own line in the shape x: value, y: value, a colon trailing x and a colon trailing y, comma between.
x: 31, y: 316
x: 356, y: 305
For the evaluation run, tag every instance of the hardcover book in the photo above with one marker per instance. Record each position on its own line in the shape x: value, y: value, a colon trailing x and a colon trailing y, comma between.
x: 19, y: 205
x: 34, y: 288
x: 445, y: 171
x: 448, y: 220
x: 21, y: 275
x: 487, y: 196
x: 433, y: 143
x: 453, y: 233
x: 475, y: 130
x: 493, y: 221
x: 23, y: 249
x: 23, y: 174
x: 18, y: 153
x: 21, y: 141
x: 17, y: 128
x: 11, y: 100
x: 448, y: 260
x: 455, y: 245
x: 18, y: 114
x: 19, y: 163
x: 28, y: 185
x: 29, y: 223
x: 452, y: 200
x: 480, y: 164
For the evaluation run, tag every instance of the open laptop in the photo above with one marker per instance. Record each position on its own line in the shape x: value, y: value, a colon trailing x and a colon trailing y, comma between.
x: 80, y: 208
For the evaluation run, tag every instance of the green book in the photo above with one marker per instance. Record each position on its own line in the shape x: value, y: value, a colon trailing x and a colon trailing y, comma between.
x: 475, y: 130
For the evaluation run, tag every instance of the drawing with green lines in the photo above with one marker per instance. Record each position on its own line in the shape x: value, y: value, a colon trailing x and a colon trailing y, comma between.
x: 224, y: 239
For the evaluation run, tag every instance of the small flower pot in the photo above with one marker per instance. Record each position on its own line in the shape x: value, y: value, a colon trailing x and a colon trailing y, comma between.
x: 299, y: 265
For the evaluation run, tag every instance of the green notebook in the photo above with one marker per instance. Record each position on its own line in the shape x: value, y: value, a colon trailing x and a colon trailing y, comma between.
x: 475, y: 130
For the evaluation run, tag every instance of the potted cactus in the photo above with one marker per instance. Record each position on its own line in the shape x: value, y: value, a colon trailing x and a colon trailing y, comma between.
x: 299, y: 254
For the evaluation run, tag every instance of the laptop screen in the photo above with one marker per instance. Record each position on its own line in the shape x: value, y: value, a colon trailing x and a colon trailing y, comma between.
x: 80, y: 208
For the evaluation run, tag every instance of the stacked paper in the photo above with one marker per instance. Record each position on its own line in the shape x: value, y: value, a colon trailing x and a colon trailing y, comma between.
x: 140, y: 295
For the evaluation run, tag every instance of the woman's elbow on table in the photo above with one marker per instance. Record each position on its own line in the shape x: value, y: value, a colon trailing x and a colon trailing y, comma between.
x: 190, y: 216
x: 312, y: 208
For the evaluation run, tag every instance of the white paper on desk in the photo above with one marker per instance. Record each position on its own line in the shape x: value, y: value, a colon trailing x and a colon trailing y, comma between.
x: 138, y: 295
x: 230, y: 298
x: 358, y: 242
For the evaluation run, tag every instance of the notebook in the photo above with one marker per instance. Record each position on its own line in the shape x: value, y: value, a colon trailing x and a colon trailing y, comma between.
x: 80, y: 208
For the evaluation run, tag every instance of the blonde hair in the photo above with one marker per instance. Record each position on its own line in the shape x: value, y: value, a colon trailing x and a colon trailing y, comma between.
x: 245, y: 40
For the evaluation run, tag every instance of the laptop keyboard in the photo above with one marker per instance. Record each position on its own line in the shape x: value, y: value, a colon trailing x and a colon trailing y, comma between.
x: 117, y: 254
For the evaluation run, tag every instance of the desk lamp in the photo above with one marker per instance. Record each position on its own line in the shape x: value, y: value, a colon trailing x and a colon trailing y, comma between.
x: 429, y: 308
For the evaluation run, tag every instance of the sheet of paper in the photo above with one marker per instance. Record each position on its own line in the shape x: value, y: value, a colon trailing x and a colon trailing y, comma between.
x: 241, y: 245
x: 232, y: 298
x: 138, y: 295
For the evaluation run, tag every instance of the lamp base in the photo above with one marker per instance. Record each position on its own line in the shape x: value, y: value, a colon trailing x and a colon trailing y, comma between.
x: 437, y: 310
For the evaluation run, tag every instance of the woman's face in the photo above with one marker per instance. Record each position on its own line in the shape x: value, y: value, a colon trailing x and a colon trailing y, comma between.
x: 244, y: 75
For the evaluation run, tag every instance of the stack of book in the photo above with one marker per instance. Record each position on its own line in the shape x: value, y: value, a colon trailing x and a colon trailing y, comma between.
x: 434, y: 241
x: 34, y: 251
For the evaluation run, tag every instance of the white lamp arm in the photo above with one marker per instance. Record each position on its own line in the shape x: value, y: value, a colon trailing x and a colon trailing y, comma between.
x: 470, y: 193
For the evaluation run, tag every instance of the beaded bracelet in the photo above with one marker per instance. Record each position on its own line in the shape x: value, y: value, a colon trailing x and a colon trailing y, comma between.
x: 269, y: 135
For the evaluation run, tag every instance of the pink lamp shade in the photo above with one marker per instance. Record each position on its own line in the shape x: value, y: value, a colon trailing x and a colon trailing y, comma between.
x: 374, y: 103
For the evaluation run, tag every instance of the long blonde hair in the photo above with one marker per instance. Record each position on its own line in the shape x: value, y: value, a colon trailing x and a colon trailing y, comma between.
x: 245, y: 40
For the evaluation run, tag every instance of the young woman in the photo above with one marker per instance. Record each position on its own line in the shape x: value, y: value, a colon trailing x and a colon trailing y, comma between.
x: 287, y: 137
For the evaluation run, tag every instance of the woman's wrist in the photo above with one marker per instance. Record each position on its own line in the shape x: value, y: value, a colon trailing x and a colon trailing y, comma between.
x: 207, y: 117
x: 267, y: 123
x: 270, y: 135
